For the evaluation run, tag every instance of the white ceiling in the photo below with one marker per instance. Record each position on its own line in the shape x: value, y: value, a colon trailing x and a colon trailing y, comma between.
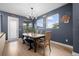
x: 23, y: 9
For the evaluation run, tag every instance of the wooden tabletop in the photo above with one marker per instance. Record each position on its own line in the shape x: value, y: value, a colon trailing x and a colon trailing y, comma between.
x: 34, y: 35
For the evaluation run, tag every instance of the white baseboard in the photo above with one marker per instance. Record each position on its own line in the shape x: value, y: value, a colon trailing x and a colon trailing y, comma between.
x: 65, y: 45
x: 75, y: 54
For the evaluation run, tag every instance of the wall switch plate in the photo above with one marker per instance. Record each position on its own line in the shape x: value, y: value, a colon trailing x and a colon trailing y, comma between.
x: 66, y: 40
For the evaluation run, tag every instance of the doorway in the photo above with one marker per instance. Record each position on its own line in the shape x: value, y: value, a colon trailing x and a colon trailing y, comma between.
x: 13, y: 28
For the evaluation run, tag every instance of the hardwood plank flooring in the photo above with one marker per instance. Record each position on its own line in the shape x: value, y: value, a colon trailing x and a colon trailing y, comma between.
x: 16, y: 48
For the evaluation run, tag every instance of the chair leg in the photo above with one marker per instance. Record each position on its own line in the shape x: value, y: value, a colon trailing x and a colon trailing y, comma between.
x: 44, y: 51
x: 49, y: 49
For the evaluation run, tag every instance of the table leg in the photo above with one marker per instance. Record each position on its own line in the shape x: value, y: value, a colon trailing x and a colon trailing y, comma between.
x: 35, y: 45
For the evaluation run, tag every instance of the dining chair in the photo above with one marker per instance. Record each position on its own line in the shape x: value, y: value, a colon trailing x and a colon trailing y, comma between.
x: 45, y: 44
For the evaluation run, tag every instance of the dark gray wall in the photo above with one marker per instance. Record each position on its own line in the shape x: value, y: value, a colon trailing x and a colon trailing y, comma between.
x: 4, y: 22
x: 76, y: 27
x: 0, y: 22
x: 21, y: 21
x: 65, y: 30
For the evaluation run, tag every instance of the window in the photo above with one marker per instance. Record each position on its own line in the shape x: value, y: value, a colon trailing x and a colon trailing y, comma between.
x: 24, y: 27
x: 53, y: 21
x: 39, y: 23
x: 30, y: 25
x: 27, y: 27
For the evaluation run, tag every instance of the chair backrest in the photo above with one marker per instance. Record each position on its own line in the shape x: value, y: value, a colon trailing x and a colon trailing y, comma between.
x: 47, y: 39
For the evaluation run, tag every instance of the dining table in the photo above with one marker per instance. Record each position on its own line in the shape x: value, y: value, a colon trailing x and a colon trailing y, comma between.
x: 35, y: 37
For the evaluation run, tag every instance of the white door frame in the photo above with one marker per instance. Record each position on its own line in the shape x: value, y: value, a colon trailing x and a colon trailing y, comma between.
x: 15, y: 19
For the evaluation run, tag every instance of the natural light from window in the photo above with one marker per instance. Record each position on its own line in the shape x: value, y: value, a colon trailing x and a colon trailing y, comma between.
x: 39, y: 23
x: 30, y: 25
x: 53, y: 21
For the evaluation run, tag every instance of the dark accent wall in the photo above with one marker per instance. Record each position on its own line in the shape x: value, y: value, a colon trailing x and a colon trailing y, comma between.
x: 76, y: 27
x: 21, y: 21
x: 4, y: 22
x: 65, y: 31
x: 0, y: 22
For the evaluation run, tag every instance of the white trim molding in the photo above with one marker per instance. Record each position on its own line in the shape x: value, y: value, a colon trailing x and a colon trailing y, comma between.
x: 75, y: 53
x: 65, y: 45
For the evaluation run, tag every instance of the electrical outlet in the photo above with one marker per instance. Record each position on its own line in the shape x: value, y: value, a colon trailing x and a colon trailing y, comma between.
x: 66, y: 40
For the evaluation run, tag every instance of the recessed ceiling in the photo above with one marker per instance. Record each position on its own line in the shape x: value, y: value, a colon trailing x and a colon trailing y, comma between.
x: 23, y: 9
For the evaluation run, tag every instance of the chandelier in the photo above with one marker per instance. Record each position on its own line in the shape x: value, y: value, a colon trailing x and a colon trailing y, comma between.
x: 32, y: 14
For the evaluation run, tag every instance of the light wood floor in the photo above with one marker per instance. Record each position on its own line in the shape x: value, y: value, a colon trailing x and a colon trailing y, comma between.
x: 16, y: 48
